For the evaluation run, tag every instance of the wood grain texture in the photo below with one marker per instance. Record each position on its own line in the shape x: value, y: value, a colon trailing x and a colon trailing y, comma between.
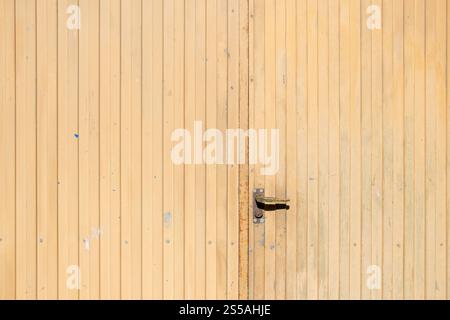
x: 369, y: 156
x: 93, y: 207
x: 7, y: 151
x: 47, y: 160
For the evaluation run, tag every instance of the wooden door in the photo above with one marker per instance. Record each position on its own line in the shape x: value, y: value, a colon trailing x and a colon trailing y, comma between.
x: 91, y: 204
x: 361, y: 106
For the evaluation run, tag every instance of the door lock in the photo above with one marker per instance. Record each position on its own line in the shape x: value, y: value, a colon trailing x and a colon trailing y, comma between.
x: 262, y: 203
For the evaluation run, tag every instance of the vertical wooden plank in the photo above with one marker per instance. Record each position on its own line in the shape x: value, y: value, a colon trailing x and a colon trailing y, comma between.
x: 147, y: 149
x: 252, y: 166
x: 355, y: 151
x: 125, y: 150
x: 372, y: 141
x: 398, y: 151
x: 136, y: 149
x: 67, y: 155
x: 313, y: 150
x: 366, y: 135
x: 211, y: 171
x: 7, y: 150
x: 243, y: 168
x: 258, y: 108
x: 323, y: 161
x: 26, y: 150
x: 441, y: 148
x: 222, y: 105
x: 89, y: 150
x: 179, y: 191
x: 291, y: 149
x: 190, y: 249
x: 280, y: 178
x: 334, y: 146
x: 447, y: 243
x: 110, y: 149
x: 409, y: 55
x: 233, y: 168
x: 419, y: 151
x: 448, y: 148
x: 157, y: 150
x: 377, y: 152
x: 345, y: 165
x: 168, y: 127
x: 200, y: 169
x: 47, y: 161
x: 302, y: 151
x: 131, y: 150
x: 270, y: 109
x: 387, y: 29
x: 430, y: 149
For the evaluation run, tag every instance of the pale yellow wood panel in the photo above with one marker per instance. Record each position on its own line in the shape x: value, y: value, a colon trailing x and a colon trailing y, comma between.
x: 168, y: 168
x: 179, y: 191
x: 441, y: 149
x: 409, y: 141
x: 200, y: 168
x: 131, y: 133
x: 93, y: 206
x: 387, y: 154
x: 243, y: 192
x: 355, y: 151
x: 251, y: 173
x: 291, y: 149
x: 280, y: 123
x: 313, y: 150
x: 89, y: 151
x: 371, y: 129
x: 366, y: 149
x: 190, y: 182
x: 398, y: 111
x: 270, y: 123
x: 211, y: 170
x: 323, y: 143
x: 447, y: 243
x: 7, y: 151
x: 419, y: 149
x: 302, y: 150
x: 430, y: 150
x: 232, y: 155
x: 377, y: 154
x: 157, y: 149
x: 257, y: 59
x: 334, y: 164
x: 147, y: 148
x: 222, y: 105
x: 26, y: 113
x: 68, y: 162
x: 47, y: 139
x: 345, y: 67
x: 109, y: 149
